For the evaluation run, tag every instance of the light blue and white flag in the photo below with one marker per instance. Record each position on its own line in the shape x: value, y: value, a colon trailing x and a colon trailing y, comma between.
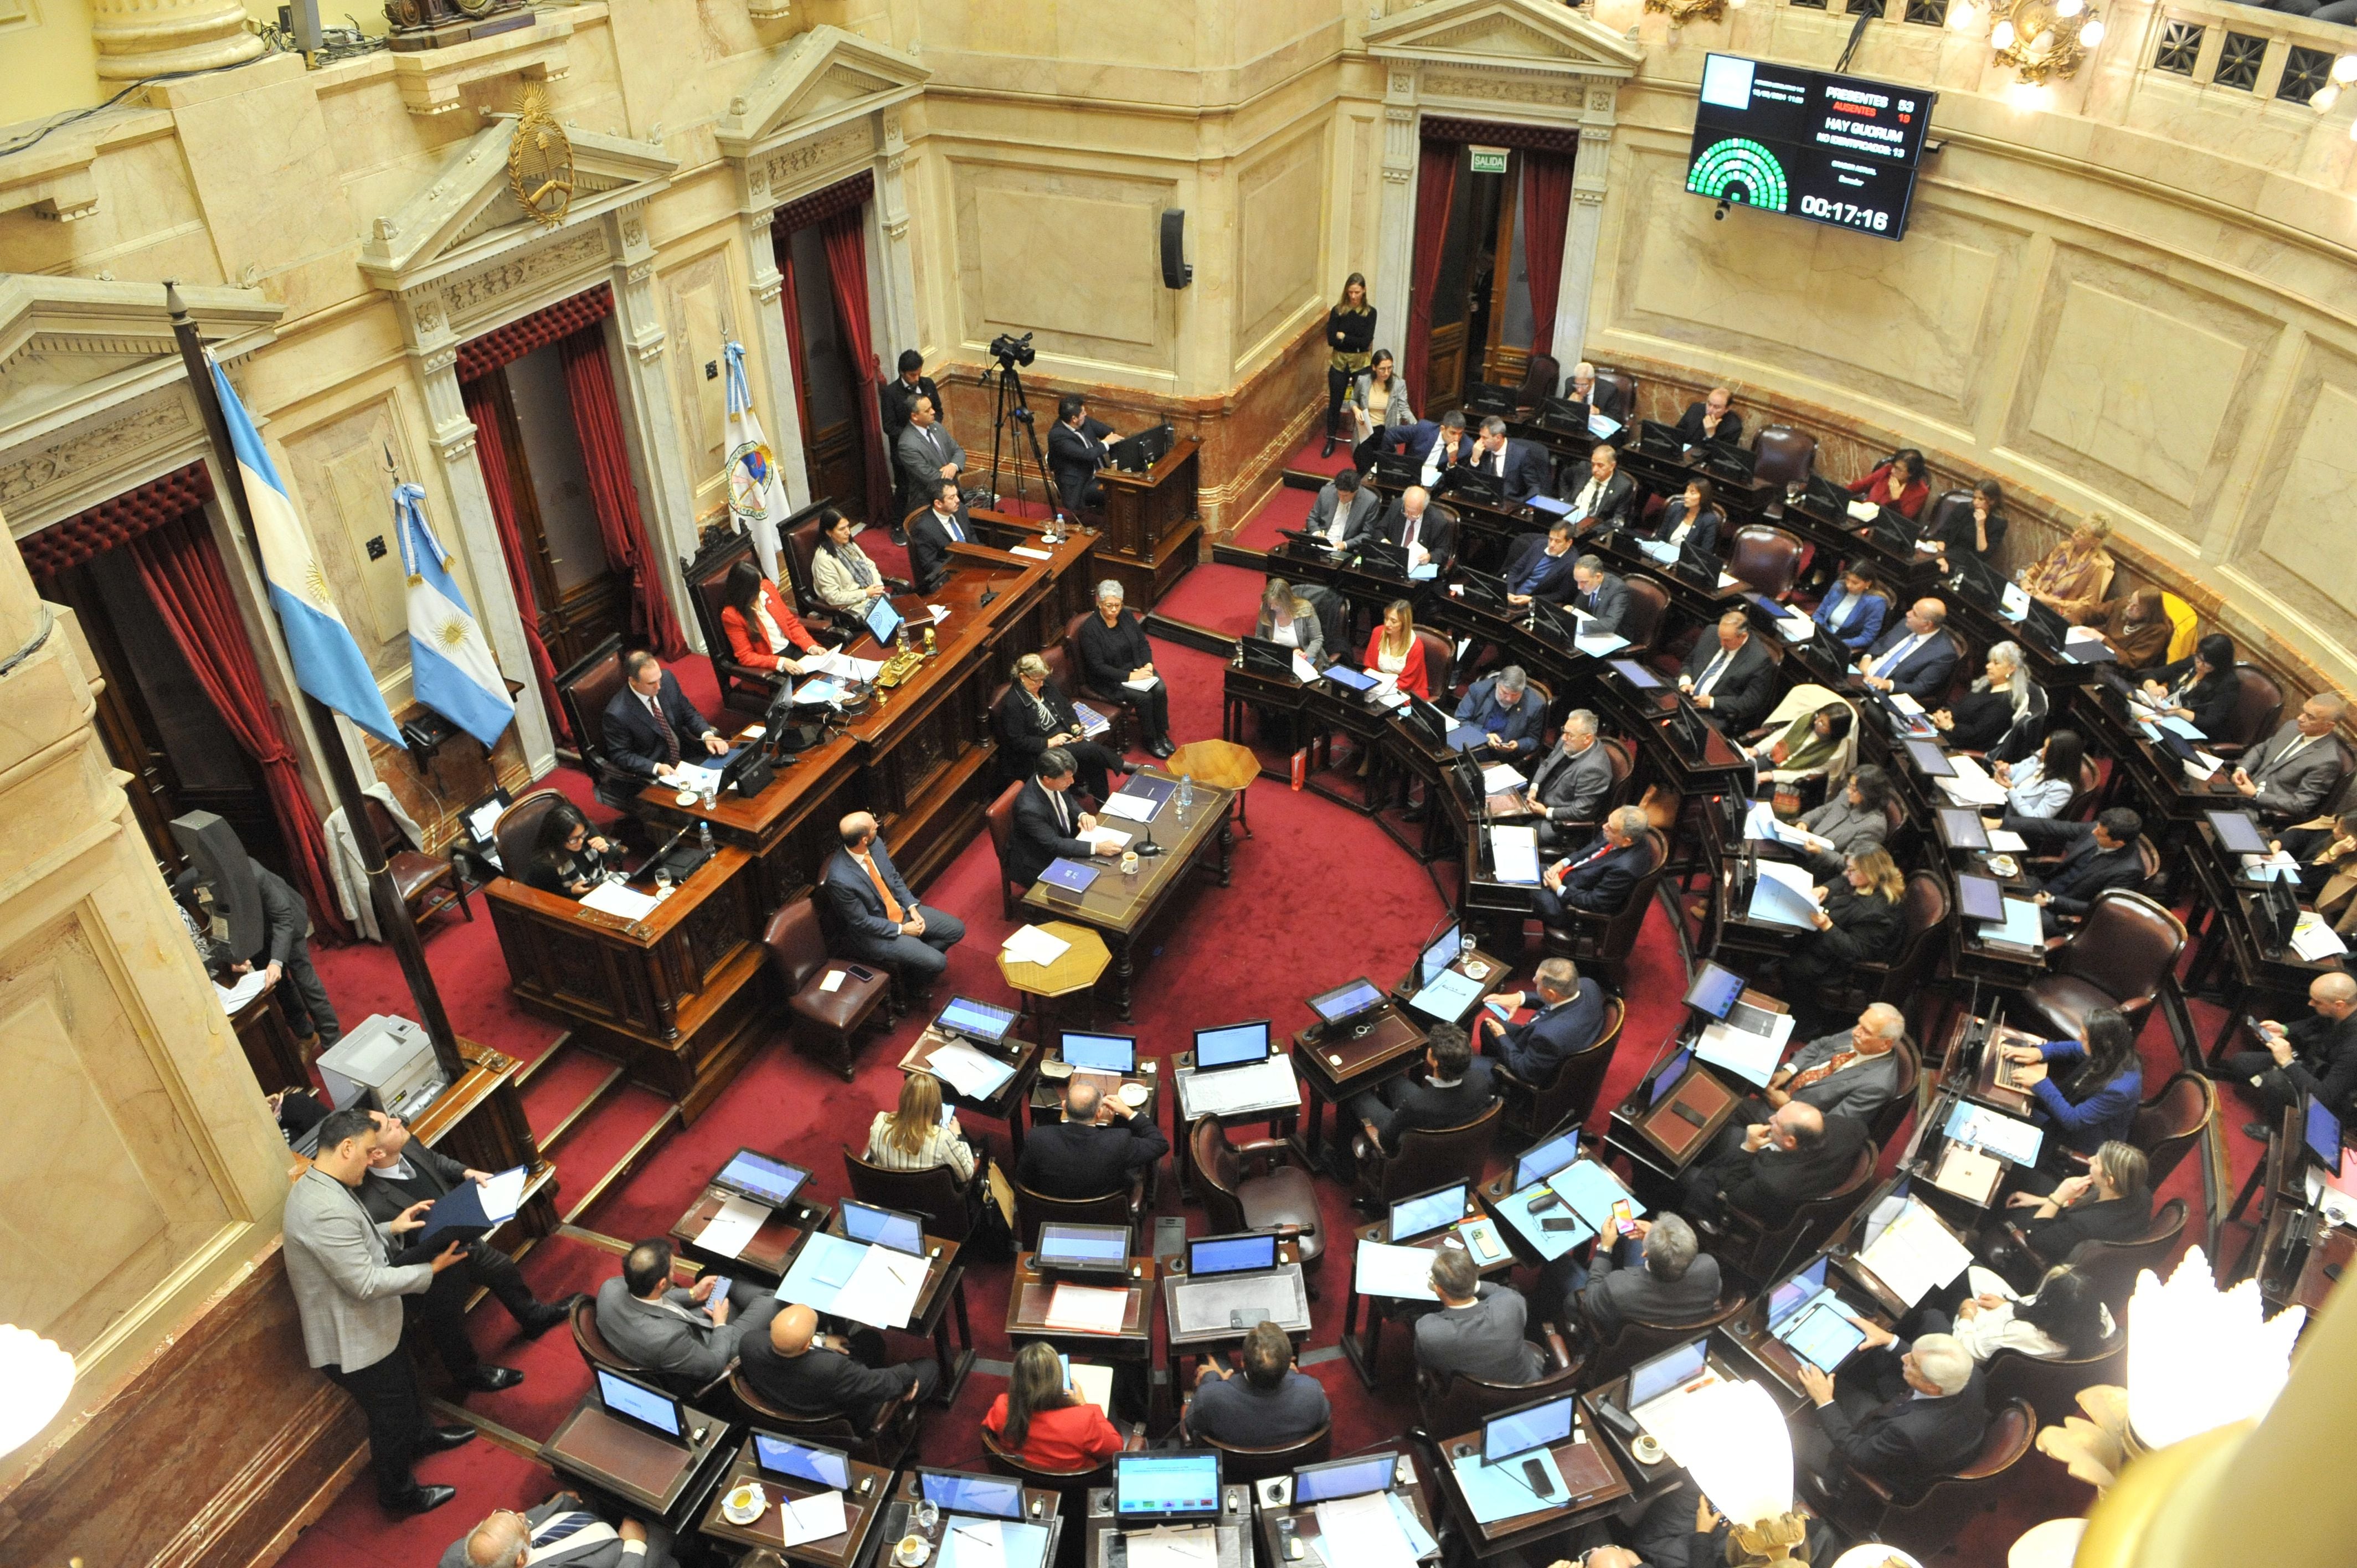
x: 327, y: 662
x: 757, y: 498
x: 450, y: 665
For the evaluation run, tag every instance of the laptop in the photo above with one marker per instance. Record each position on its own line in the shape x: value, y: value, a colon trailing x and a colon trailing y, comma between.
x: 1116, y: 1054
x: 1531, y: 1429
x: 1929, y: 758
x: 1244, y: 1252
x: 760, y: 1179
x: 1810, y: 1317
x: 1165, y: 1488
x: 2237, y: 833
x: 1339, y: 1478
x: 1425, y: 1213
x: 791, y: 1459
x: 1232, y: 1044
x: 1347, y: 1003
x: 975, y: 1020
x: 1980, y: 897
x: 1543, y: 1161
x: 883, y: 621
x: 987, y: 1496
x: 1071, y: 876
x: 1715, y: 992
x: 884, y: 1227
x: 648, y: 1409
x: 1663, y: 1374
x: 1962, y: 829
x: 1084, y: 1248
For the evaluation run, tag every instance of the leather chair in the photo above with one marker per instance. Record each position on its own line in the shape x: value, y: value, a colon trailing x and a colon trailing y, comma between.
x: 999, y: 816
x: 584, y: 688
x: 1260, y: 1464
x: 2114, y: 1265
x: 2080, y: 806
x: 1947, y: 507
x: 428, y: 883
x: 1282, y: 1197
x: 1540, y: 379
x: 1924, y: 910
x: 1628, y: 385
x: 1071, y: 1486
x: 1767, y: 558
x: 1600, y: 944
x: 595, y: 1350
x: 796, y: 945
x: 2053, y: 1382
x: 886, y: 1444
x: 2171, y: 1123
x: 2118, y: 957
x: 1648, y: 606
x: 2258, y: 709
x: 1426, y: 1158
x: 1534, y: 1112
x: 742, y: 686
x: 935, y: 1193
x: 1783, y: 456
x: 1925, y: 1524
x: 1640, y: 1340
x: 1439, y: 665
x: 516, y: 834
x: 1760, y: 1250
x: 1119, y: 1208
x: 1884, y: 1124
x: 1450, y: 1404
x: 800, y: 538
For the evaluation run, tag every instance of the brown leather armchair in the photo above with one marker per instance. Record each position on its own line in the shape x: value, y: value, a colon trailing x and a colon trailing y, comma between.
x: 516, y: 834
x: 1439, y: 664
x: 1760, y: 1250
x: 742, y: 686
x: 800, y: 538
x: 1033, y: 1209
x: 1767, y: 558
x: 1425, y: 1157
x: 934, y: 1194
x: 886, y: 1444
x: 2053, y: 1382
x: 1925, y: 1524
x: 1259, y: 1464
x: 1947, y: 507
x: 1058, y: 658
x: 1281, y: 1197
x: 2119, y: 957
x: 796, y: 946
x: 1884, y: 1124
x: 428, y: 883
x: 1599, y: 943
x: 2258, y: 709
x: 1626, y: 384
x: 2114, y: 1265
x: 1451, y: 1404
x: 1071, y: 1486
x: 584, y: 688
x: 2168, y: 1123
x: 595, y: 1350
x: 1648, y: 606
x: 1540, y: 379
x: 1640, y: 1340
x: 1783, y: 456
x: 999, y: 817
x: 1534, y: 1111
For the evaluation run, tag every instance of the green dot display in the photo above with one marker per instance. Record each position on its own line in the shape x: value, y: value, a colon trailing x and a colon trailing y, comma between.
x: 1738, y: 161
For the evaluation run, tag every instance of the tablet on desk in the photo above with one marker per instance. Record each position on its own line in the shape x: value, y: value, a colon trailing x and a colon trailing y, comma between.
x: 1343, y: 1478
x: 791, y: 1459
x: 988, y: 1496
x: 1963, y: 828
x: 1425, y: 1212
x: 642, y: 1406
x: 760, y: 1179
x: 1245, y: 1252
x: 1161, y: 1488
x: 1232, y: 1044
x: 1115, y: 1054
x: 1823, y: 1335
x: 884, y: 1227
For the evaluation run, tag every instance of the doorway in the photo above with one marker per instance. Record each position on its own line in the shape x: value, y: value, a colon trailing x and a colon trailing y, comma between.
x: 1481, y: 319
x: 834, y: 448
x: 581, y: 598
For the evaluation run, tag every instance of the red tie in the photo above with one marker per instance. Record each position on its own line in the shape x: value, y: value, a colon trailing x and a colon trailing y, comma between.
x: 671, y: 736
x: 1413, y: 523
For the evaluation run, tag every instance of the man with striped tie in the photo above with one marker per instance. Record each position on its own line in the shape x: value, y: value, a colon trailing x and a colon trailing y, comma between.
x: 560, y: 1530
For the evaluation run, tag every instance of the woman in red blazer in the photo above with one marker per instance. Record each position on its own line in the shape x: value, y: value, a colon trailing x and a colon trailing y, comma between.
x: 1044, y: 1419
x: 1394, y: 650
x: 748, y: 640
x: 1898, y: 484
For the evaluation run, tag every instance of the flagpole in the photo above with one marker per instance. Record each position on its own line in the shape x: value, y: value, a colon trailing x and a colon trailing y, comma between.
x: 391, y: 914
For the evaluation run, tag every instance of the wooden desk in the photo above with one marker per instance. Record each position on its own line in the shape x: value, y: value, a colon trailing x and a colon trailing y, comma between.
x: 1232, y: 1533
x: 929, y: 1317
x: 1005, y: 1105
x: 1041, y: 1507
x: 1047, y: 1091
x: 1152, y: 521
x: 2333, y: 1249
x: 1655, y: 1137
x: 633, y: 1470
x: 1381, y: 1048
x: 1207, y: 1343
x: 862, y: 1503
x: 1272, y: 1502
x: 1363, y: 1350
x: 1590, y: 1474
x: 1122, y: 908
x: 479, y: 1122
x: 1027, y: 1312
x: 270, y: 1047
x: 1280, y: 1121
x: 771, y: 1251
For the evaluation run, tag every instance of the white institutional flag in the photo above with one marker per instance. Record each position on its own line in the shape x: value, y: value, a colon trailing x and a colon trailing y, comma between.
x: 757, y: 498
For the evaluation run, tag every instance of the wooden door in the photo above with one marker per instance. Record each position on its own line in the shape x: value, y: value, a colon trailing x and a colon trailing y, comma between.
x: 835, y: 447
x: 582, y: 600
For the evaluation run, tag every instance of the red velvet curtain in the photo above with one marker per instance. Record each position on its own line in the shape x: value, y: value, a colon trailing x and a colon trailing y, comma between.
x: 847, y: 265
x: 184, y: 576
x: 1436, y: 188
x: 790, y: 300
x: 491, y: 455
x: 1546, y: 207
x: 597, y: 420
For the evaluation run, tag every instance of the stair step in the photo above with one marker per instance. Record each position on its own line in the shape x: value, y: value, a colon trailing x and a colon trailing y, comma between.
x: 633, y: 1157
x: 579, y: 1113
x: 532, y: 1069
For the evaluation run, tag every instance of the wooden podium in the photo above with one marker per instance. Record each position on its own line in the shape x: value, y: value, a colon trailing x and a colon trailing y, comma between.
x: 1152, y: 524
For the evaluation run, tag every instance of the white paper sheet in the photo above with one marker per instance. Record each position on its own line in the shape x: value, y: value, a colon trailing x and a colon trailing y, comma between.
x: 1972, y: 786
x: 1029, y: 944
x: 1514, y: 853
x: 819, y: 1516
x: 1145, y: 685
x: 1363, y: 1532
x: 2004, y: 843
x: 727, y: 1232
x: 1600, y: 644
x: 832, y: 981
x: 1229, y: 1091
x: 697, y: 777
x: 1386, y: 1270
x: 1024, y: 549
x: 1796, y: 630
x: 1676, y: 1418
x: 1129, y: 808
x: 1499, y: 778
x: 2082, y: 634
x: 249, y: 986
x: 842, y: 664
x: 1087, y: 1309
x: 503, y: 1195
x: 967, y: 1070
x: 1198, y: 1547
x: 1094, y: 1383
x: 1745, y: 1055
x: 941, y: 612
x: 1916, y: 1255
x: 1781, y: 896
x: 2313, y: 940
x: 613, y: 898
x: 882, y: 1292
x: 1863, y: 511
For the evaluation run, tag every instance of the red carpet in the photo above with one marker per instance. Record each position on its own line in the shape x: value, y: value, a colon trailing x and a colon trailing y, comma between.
x: 1318, y: 895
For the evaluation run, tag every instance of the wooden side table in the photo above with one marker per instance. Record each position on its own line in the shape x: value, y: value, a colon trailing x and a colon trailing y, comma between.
x: 1222, y: 764
x: 1075, y: 972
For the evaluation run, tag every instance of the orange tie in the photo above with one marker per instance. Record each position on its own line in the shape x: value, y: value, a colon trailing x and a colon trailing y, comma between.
x: 1822, y: 1070
x: 892, y: 910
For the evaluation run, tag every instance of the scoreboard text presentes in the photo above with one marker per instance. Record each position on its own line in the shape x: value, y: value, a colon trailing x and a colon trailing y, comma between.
x: 1833, y: 149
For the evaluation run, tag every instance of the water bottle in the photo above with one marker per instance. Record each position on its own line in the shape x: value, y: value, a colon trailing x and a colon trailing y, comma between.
x: 1186, y: 794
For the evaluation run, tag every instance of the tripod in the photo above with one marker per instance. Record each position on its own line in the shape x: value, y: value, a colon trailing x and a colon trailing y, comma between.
x: 1010, y: 412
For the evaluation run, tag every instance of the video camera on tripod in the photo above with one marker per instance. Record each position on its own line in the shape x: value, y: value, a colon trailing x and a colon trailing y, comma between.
x: 1012, y: 354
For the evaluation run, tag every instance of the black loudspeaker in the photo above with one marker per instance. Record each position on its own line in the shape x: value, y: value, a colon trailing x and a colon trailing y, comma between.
x: 1175, y: 273
x: 218, y: 859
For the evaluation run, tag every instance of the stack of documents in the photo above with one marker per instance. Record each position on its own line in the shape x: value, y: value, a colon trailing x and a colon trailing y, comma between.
x: 1761, y: 823
x: 2313, y: 940
x: 726, y: 1233
x: 1130, y: 808
x: 613, y: 898
x: 249, y: 986
x: 1915, y: 1254
x: 1499, y: 779
x: 1784, y: 896
x: 1972, y: 786
x: 842, y: 664
x: 1515, y: 854
x: 2021, y: 925
x: 967, y: 1070
x: 2280, y: 866
x: 471, y: 1207
x: 1743, y: 1053
x: 1386, y: 1270
x: 1028, y: 554
x: 1087, y: 1309
x: 1363, y: 1531
x: 874, y: 1285
x: 1029, y: 944
x: 1268, y: 1085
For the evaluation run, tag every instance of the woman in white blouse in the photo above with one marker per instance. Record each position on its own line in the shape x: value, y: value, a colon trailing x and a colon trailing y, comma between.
x: 2043, y: 785
x: 917, y: 1137
x: 1290, y: 620
x: 841, y: 571
x: 2063, y: 1318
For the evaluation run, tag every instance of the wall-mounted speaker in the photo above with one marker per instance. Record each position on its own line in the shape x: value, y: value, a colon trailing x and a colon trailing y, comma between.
x: 1175, y: 273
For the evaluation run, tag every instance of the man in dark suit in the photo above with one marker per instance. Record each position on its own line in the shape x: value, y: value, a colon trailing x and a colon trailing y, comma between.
x: 1427, y: 532
x: 650, y: 724
x: 925, y: 456
x: 931, y: 533
x: 1047, y: 823
x: 1521, y: 467
x: 1570, y: 1016
x: 1794, y: 1155
x: 1076, y: 450
x: 881, y: 919
x: 1604, y: 494
x: 1501, y: 717
x: 284, y: 954
x: 2317, y: 1055
x: 1605, y: 397
x: 1711, y: 420
x: 1545, y: 569
x: 1097, y: 1148
x: 1572, y: 783
x: 402, y: 1172
x: 1273, y: 1404
x: 1437, y: 445
x: 2095, y: 855
x: 902, y: 392
x: 792, y: 1365
x: 562, y: 1532
x: 1478, y: 1331
x: 1457, y: 1087
x: 1926, y: 1417
x: 1344, y: 510
x: 1728, y: 676
x: 678, y: 1333
x: 2288, y: 778
x: 1915, y: 656
x: 1600, y: 875
x: 1601, y: 596
x: 1659, y: 1275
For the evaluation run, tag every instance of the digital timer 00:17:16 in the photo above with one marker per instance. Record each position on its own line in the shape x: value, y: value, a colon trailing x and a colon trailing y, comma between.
x: 1843, y: 213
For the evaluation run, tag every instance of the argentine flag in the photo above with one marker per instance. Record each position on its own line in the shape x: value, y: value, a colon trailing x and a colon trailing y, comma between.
x: 449, y: 663
x: 757, y: 499
x: 327, y: 662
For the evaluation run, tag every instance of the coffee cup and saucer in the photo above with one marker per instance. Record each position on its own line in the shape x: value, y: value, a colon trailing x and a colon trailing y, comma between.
x: 913, y: 1550
x: 746, y: 1503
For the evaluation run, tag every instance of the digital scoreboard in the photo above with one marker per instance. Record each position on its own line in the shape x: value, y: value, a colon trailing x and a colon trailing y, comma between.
x: 1833, y: 149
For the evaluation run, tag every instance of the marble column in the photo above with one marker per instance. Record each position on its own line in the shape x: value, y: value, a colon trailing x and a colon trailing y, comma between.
x: 1581, y: 230
x: 772, y: 381
x: 1395, y: 236
x: 140, y: 38
x: 645, y: 392
x: 897, y: 300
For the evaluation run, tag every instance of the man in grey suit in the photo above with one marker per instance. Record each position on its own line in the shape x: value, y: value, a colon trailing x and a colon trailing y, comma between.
x: 1660, y: 1275
x: 2290, y: 777
x: 1344, y: 510
x: 559, y: 1534
x: 926, y: 456
x: 1854, y: 1073
x: 1478, y: 1332
x: 1600, y: 595
x: 339, y: 1261
x: 1572, y: 783
x: 684, y: 1335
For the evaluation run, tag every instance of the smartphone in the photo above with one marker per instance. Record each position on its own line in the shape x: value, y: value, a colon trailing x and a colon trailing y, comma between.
x: 1536, y: 1475
x: 719, y: 1291
x: 1565, y: 1223
x: 858, y: 974
x: 1687, y: 1114
x: 1624, y: 1217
